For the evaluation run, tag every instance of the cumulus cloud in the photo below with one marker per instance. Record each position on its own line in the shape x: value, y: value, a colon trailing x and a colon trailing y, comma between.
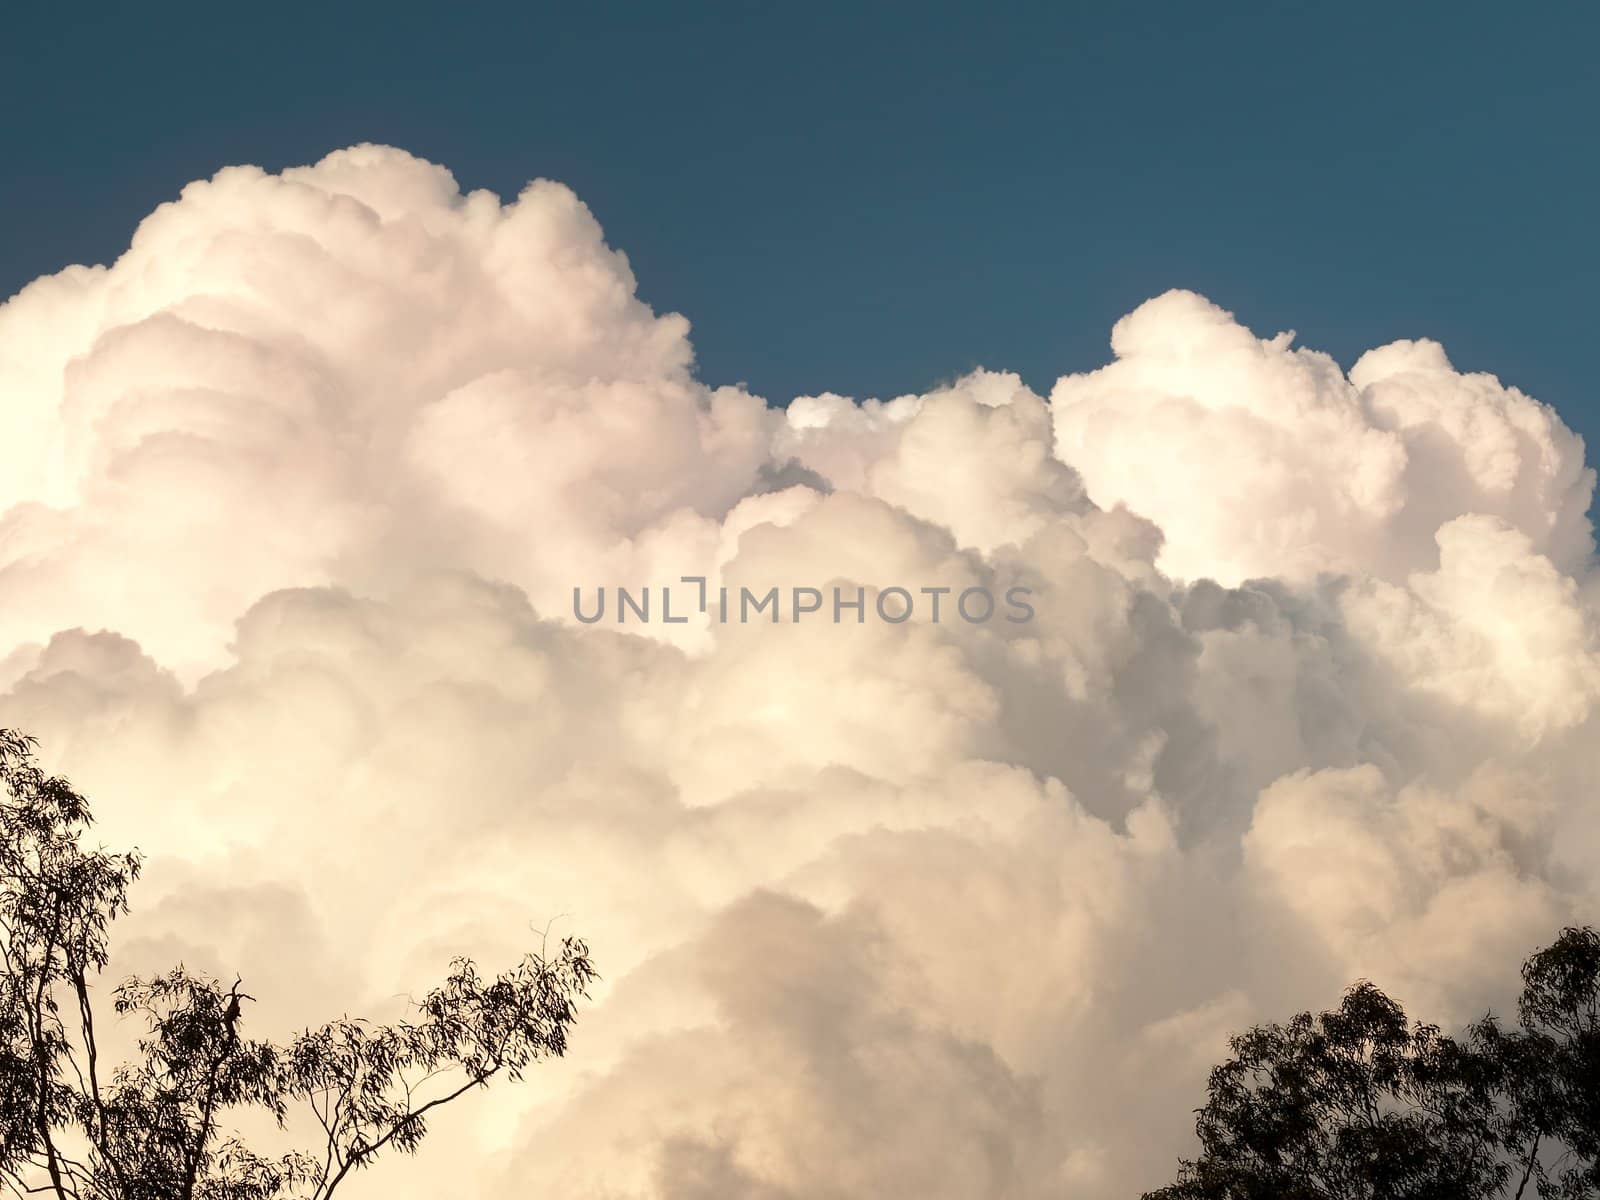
x: 293, y: 500
x: 1259, y: 459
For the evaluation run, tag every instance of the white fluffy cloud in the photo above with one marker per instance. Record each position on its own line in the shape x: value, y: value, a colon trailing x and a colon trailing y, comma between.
x: 293, y: 500
x: 1258, y: 459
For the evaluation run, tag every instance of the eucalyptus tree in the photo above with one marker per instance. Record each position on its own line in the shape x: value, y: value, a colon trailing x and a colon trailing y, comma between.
x: 1361, y: 1104
x: 159, y: 1126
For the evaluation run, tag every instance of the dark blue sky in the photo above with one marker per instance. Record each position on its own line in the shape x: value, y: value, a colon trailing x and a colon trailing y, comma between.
x: 869, y: 200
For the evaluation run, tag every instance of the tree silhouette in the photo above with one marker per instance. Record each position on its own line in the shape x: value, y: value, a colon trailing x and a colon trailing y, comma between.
x: 152, y: 1128
x: 1358, y: 1104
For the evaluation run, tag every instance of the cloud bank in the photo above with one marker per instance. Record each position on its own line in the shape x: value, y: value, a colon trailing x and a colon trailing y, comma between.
x: 293, y: 499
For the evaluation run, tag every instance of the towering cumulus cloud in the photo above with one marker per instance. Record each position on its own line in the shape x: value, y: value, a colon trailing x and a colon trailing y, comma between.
x: 293, y: 502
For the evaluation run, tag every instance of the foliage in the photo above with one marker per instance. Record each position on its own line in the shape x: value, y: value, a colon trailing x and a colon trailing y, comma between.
x: 152, y: 1128
x: 1358, y: 1104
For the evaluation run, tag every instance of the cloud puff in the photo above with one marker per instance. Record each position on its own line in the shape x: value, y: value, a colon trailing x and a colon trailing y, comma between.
x: 293, y: 500
x: 1259, y: 459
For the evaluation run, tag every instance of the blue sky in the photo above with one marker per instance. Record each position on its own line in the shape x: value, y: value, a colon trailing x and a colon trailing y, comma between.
x: 870, y: 200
